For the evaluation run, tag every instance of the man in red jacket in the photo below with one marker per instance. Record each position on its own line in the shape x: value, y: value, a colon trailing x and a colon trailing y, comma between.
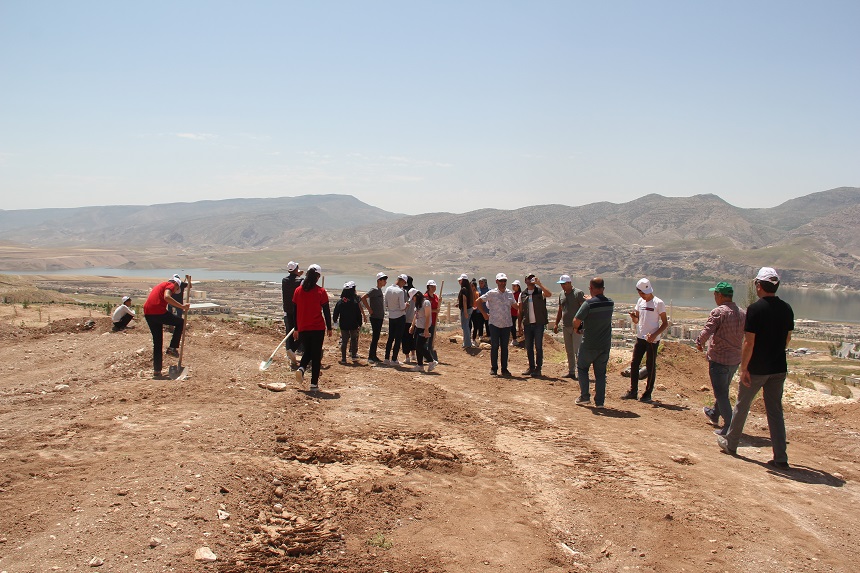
x: 155, y: 312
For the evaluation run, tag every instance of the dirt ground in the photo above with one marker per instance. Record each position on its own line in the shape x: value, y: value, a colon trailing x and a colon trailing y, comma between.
x: 104, y: 469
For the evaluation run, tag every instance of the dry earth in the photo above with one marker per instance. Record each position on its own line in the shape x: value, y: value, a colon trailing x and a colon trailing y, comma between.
x: 388, y: 470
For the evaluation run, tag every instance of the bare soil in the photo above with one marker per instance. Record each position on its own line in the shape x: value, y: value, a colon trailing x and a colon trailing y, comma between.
x: 390, y: 470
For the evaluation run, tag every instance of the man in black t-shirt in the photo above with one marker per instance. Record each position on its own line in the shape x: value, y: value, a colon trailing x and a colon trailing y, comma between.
x: 767, y: 332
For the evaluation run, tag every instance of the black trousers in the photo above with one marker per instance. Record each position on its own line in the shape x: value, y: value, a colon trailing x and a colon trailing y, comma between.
x: 376, y: 327
x: 122, y: 323
x: 649, y: 350
x: 312, y: 340
x: 396, y: 326
x: 156, y: 324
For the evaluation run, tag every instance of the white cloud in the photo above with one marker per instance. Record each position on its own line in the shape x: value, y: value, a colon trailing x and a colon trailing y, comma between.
x: 197, y: 136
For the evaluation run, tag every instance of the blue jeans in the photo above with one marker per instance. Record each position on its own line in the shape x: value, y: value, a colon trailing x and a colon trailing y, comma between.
x: 598, y: 360
x: 499, y: 338
x: 467, y: 329
x: 534, y: 344
x: 771, y: 386
x: 721, y: 379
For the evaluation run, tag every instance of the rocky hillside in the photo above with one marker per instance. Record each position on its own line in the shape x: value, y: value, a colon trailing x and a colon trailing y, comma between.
x: 812, y: 239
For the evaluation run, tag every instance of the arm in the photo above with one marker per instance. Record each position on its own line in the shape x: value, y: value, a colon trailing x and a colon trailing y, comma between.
x: 557, y: 318
x: 543, y: 289
x: 362, y: 303
x: 664, y: 324
x: 746, y: 355
x: 327, y: 314
x: 428, y: 319
x: 577, y: 325
x: 709, y: 330
x: 168, y: 298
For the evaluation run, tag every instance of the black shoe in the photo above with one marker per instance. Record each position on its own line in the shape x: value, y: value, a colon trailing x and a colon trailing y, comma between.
x: 778, y: 465
x: 645, y: 398
x: 159, y: 376
x: 537, y: 373
x: 494, y: 372
x: 506, y: 373
x: 630, y: 395
x: 171, y: 351
x: 528, y: 372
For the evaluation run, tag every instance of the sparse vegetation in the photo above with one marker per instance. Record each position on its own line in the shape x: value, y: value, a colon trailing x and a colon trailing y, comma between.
x: 379, y: 540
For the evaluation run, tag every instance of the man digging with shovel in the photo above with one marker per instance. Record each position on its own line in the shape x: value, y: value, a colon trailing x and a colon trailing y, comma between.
x: 156, y: 314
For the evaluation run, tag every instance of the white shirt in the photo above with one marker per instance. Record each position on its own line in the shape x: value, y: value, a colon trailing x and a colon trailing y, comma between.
x: 395, y: 302
x: 120, y: 312
x: 649, y: 316
x: 531, y: 303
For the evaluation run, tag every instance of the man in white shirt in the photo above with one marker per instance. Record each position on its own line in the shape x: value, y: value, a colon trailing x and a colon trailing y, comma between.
x: 649, y: 315
x: 122, y: 315
x: 499, y: 302
x: 395, y: 302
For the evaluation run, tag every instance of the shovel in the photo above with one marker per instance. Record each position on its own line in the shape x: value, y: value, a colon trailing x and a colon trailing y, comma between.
x: 265, y: 364
x: 179, y: 372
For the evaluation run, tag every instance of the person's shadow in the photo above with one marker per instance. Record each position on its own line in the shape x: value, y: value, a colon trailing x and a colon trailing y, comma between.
x: 321, y: 395
x: 665, y: 406
x: 607, y: 412
x: 803, y: 474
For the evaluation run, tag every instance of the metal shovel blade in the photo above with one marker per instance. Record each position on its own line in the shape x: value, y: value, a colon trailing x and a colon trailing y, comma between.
x: 265, y: 365
x: 178, y: 373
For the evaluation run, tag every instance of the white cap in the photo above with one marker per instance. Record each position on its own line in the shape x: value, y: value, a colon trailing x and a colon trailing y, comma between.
x: 316, y: 267
x: 381, y: 275
x: 431, y: 282
x: 482, y: 279
x: 413, y: 292
x: 463, y: 276
x: 516, y: 283
x: 645, y: 286
x: 349, y: 284
x: 176, y: 279
x: 501, y: 277
x: 292, y: 266
x: 125, y: 299
x: 768, y: 274
x: 563, y: 279
x: 403, y: 277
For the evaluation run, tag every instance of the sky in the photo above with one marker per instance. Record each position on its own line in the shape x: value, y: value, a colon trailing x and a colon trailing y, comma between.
x: 419, y: 107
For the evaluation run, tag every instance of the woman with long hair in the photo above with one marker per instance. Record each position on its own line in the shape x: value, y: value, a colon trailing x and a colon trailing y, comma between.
x: 422, y: 323
x: 517, y: 289
x: 466, y: 303
x: 313, y: 321
x: 348, y: 316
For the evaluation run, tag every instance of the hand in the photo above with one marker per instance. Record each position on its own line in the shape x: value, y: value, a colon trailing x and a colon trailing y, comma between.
x: 745, y: 378
x: 412, y: 329
x: 186, y: 307
x: 329, y: 332
x: 699, y: 347
x: 555, y: 328
x: 295, y: 334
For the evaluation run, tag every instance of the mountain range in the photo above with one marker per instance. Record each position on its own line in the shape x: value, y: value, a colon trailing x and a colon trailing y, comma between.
x: 811, y: 239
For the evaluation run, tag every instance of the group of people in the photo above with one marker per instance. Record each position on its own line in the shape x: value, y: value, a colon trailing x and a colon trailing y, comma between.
x: 752, y: 341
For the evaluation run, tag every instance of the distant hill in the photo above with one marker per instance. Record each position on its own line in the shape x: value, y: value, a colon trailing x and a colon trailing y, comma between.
x: 811, y: 239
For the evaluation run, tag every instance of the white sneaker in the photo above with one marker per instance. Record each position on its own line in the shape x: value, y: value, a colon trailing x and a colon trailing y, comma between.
x: 432, y: 365
x: 300, y: 375
x: 394, y: 363
x: 417, y: 368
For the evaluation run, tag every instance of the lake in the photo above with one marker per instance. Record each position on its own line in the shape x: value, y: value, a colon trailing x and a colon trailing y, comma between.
x: 812, y: 304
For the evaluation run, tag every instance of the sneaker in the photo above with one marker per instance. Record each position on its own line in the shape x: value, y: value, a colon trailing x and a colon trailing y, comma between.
x: 300, y: 375
x: 598, y: 406
x: 528, y: 372
x: 630, y: 395
x: 342, y: 361
x: 394, y: 363
x: 720, y: 432
x: 582, y: 401
x: 711, y: 415
x: 408, y: 359
x: 291, y: 355
x: 506, y: 373
x: 417, y: 368
x: 315, y: 388
x: 494, y: 373
x: 159, y: 376
x: 724, y: 445
x: 432, y: 365
x: 171, y: 351
x: 779, y: 465
x: 646, y: 398
x: 387, y: 362
x: 371, y: 362
x: 355, y: 357
x: 537, y: 373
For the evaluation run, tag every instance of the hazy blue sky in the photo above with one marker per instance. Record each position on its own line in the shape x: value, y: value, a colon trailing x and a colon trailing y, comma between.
x: 427, y: 106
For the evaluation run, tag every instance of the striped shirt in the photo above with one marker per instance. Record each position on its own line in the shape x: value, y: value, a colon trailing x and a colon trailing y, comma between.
x: 596, y: 316
x: 725, y: 329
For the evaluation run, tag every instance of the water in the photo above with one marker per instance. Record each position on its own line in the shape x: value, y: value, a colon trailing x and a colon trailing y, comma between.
x: 812, y: 304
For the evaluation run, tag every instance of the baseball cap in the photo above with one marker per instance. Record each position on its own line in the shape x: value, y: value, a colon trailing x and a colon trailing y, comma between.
x: 349, y: 284
x: 483, y: 279
x: 292, y: 266
x: 463, y: 276
x: 645, y: 286
x: 176, y: 280
x: 768, y: 275
x: 125, y: 299
x: 413, y: 292
x: 315, y: 267
x: 517, y: 283
x: 501, y: 277
x: 563, y: 279
x: 403, y: 277
x: 381, y: 275
x: 723, y: 288
x: 431, y: 282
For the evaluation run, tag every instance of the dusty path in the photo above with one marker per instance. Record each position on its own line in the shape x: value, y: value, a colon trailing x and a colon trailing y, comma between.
x: 394, y: 470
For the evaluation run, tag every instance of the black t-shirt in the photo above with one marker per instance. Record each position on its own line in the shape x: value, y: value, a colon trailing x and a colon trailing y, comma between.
x: 770, y: 319
x: 464, y: 299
